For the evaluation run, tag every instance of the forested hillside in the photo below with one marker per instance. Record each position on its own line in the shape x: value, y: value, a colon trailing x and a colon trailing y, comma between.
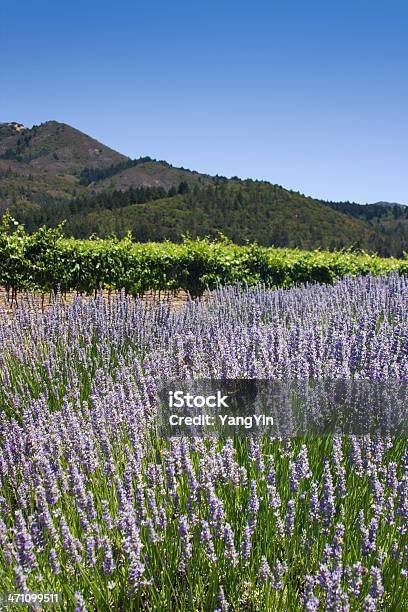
x: 243, y: 211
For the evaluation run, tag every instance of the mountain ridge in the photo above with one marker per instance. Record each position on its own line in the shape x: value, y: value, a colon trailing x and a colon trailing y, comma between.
x: 382, y: 203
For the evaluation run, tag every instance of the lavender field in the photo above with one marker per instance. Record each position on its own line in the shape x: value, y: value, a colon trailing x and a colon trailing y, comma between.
x: 95, y: 506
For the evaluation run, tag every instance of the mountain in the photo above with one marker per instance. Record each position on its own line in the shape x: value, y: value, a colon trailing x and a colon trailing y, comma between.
x: 53, y: 160
x: 54, y: 148
x: 53, y: 172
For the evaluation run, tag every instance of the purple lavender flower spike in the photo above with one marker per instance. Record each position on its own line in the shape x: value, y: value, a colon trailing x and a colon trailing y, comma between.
x: 264, y: 571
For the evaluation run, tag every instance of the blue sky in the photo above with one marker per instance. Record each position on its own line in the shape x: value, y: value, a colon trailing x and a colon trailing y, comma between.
x: 310, y: 95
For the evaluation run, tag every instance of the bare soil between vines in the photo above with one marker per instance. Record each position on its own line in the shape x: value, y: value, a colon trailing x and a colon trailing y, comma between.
x: 38, y: 301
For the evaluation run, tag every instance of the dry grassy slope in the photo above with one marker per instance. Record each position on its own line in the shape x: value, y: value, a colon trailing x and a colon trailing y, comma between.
x: 151, y: 174
x: 17, y: 167
x: 57, y: 148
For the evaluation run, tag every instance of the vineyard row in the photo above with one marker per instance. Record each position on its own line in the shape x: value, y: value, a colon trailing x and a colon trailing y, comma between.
x: 45, y: 261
